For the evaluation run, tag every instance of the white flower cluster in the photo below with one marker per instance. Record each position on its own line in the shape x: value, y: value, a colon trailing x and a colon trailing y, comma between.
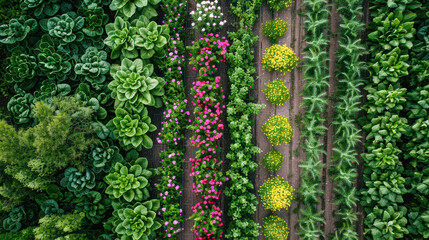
x: 208, y: 17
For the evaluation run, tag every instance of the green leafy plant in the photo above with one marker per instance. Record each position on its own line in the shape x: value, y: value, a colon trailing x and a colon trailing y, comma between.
x: 49, y: 89
x: 276, y: 92
x: 104, y: 156
x: 17, y: 29
x: 276, y: 194
x: 121, y: 39
x: 129, y: 7
x: 273, y: 160
x: 278, y: 130
x: 135, y: 85
x: 151, y: 38
x: 66, y: 28
x: 18, y: 218
x: 94, y: 21
x: 274, y: 29
x: 21, y: 108
x: 129, y: 182
x: 279, y: 4
x: 94, y: 4
x: 95, y: 206
x: 41, y: 8
x: 22, y: 68
x: 77, y: 182
x: 25, y: 234
x: 50, y: 206
x: 93, y: 66
x: 137, y: 221
x: 279, y: 58
x: 61, y: 227
x: 275, y: 228
x: 387, y: 224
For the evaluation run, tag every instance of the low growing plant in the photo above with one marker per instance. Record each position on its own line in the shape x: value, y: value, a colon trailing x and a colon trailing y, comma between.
x: 275, y: 228
x: 279, y: 58
x: 279, y: 4
x: 276, y: 194
x: 278, y: 130
x: 274, y: 29
x: 273, y: 160
x: 276, y: 92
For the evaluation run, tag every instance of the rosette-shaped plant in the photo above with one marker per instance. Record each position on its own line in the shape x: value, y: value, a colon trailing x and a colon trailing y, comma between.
x: 387, y: 223
x: 137, y: 221
x: 41, y: 7
x: 152, y: 38
x: 135, y: 84
x: 53, y: 63
x: 66, y: 28
x: 103, y: 156
x: 278, y: 130
x: 93, y: 66
x: 274, y: 29
x: 389, y: 67
x: 129, y: 182
x: 129, y: 7
x: 93, y: 99
x: 276, y: 194
x: 50, y: 206
x: 276, y: 92
x: 273, y: 160
x: 21, y: 108
x: 94, y: 206
x: 17, y: 218
x: 131, y: 129
x: 93, y: 4
x: 275, y: 228
x: 50, y: 89
x: 121, y: 39
x: 93, y: 28
x: 79, y: 183
x: 22, y: 68
x: 17, y: 29
x: 279, y: 58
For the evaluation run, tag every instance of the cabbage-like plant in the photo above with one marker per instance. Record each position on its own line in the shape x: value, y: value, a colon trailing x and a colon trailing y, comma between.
x: 41, y: 7
x: 129, y: 7
x: 21, y: 108
x: 103, y: 156
x: 53, y: 63
x: 94, y: 206
x: 93, y: 66
x: 386, y: 223
x: 17, y: 29
x: 93, y: 4
x: 135, y: 84
x: 137, y: 221
x: 50, y: 89
x: 121, y: 39
x: 79, y: 183
x: 22, y: 68
x: 66, y: 28
x: 50, y: 206
x: 151, y: 38
x: 93, y: 99
x: 93, y: 28
x: 129, y: 182
x: 17, y: 218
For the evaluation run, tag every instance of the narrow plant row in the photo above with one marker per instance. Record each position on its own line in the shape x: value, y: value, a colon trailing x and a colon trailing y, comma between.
x: 240, y: 188
x: 347, y: 135
x: 175, y: 121
x: 313, y: 127
x: 390, y: 41
x: 206, y: 54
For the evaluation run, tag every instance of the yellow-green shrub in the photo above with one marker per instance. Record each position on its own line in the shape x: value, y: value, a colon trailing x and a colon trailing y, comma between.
x: 278, y: 130
x: 276, y: 92
x: 279, y: 58
x: 274, y: 29
x: 279, y: 4
x: 275, y: 228
x: 273, y: 160
x: 276, y: 194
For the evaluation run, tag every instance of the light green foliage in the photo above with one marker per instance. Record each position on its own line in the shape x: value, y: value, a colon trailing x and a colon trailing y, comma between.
x: 131, y: 129
x: 93, y: 66
x: 276, y: 92
x: 279, y: 58
x: 135, y: 85
x: 390, y: 66
x: 66, y: 28
x: 275, y: 228
x: 103, y: 156
x: 25, y: 234
x: 129, y: 182
x: 78, y: 182
x: 274, y: 29
x: 53, y: 63
x: 151, y: 38
x: 276, y: 194
x: 61, y: 227
x: 121, y: 39
x: 278, y: 130
x: 18, y: 218
x: 279, y: 4
x: 137, y: 221
x: 17, y: 29
x: 94, y: 4
x: 273, y: 160
x: 57, y: 141
x: 129, y: 7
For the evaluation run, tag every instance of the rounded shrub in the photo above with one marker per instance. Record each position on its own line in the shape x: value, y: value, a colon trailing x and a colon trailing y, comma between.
x: 276, y: 92
x: 276, y: 194
x: 275, y: 228
x: 273, y: 160
x: 279, y: 58
x: 278, y: 130
x: 274, y: 29
x: 279, y: 4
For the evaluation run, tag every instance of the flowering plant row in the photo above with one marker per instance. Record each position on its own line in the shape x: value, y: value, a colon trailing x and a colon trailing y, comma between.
x: 207, y: 100
x: 175, y: 120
